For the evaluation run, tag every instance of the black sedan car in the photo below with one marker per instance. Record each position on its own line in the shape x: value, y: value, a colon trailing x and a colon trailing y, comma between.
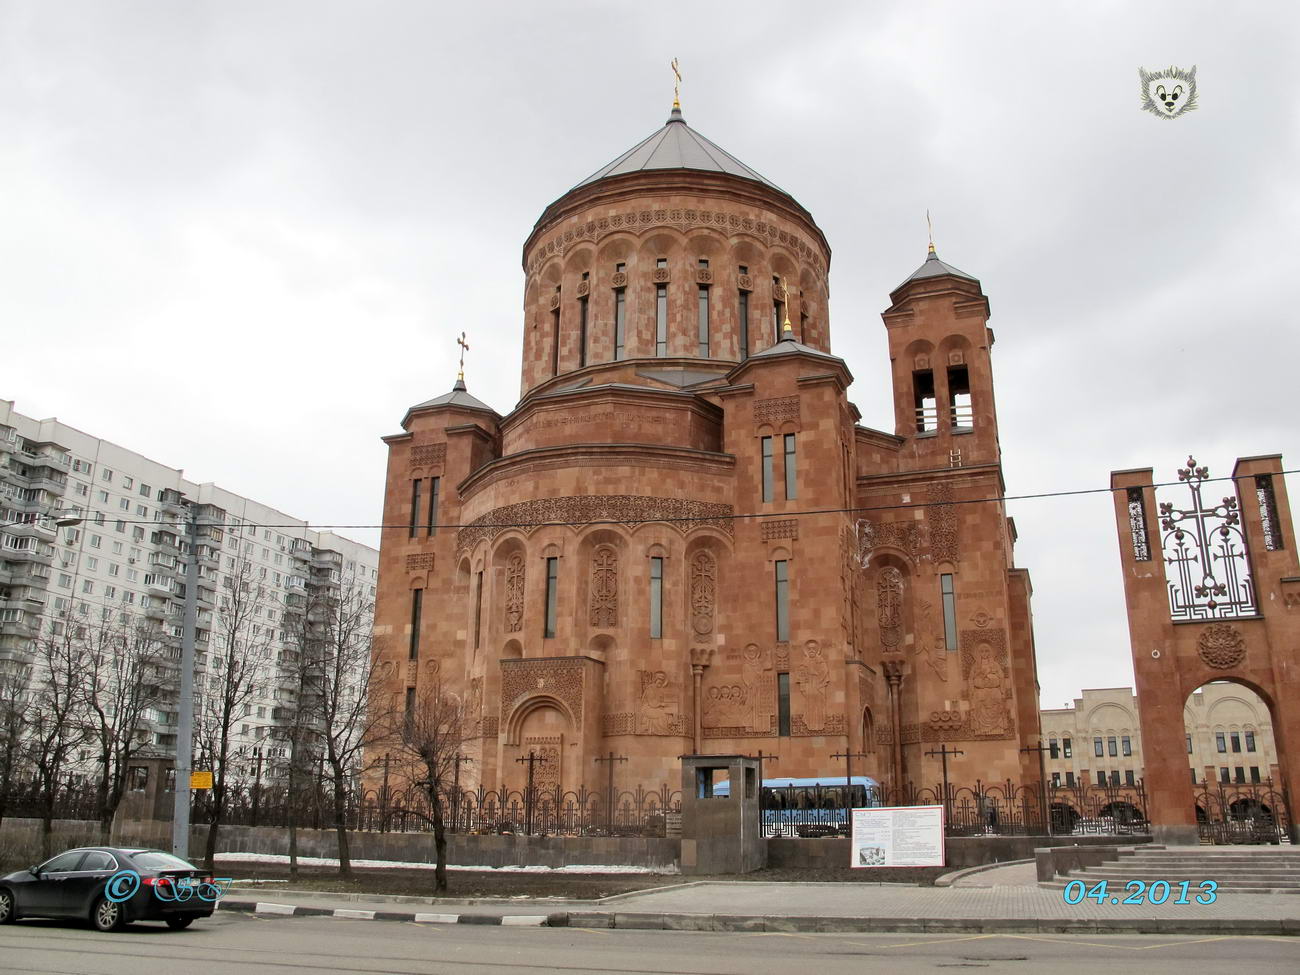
x: 110, y: 886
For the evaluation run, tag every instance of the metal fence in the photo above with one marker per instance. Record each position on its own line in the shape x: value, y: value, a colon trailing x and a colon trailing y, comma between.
x: 1242, y: 812
x: 984, y: 809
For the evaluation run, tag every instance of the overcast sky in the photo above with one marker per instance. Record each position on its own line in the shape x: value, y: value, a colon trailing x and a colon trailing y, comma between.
x: 241, y: 237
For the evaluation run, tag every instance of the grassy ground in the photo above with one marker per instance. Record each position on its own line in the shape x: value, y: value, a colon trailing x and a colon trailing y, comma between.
x: 564, y: 885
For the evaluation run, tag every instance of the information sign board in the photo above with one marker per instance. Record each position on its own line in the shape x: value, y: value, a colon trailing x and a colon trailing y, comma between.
x: 897, y: 836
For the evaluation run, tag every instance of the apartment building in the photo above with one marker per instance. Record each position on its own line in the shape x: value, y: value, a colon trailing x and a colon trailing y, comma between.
x: 91, y: 532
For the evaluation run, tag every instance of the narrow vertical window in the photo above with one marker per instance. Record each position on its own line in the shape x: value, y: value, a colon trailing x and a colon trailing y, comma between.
x: 782, y: 576
x: 783, y: 705
x: 661, y: 315
x: 960, y: 412
x: 1128, y: 777
x: 949, y: 594
x: 791, y: 472
x: 704, y: 321
x: 434, y: 487
x: 1067, y: 747
x: 415, y: 507
x: 1221, y: 742
x: 1055, y: 748
x: 1101, y: 777
x: 1254, y: 773
x: 620, y: 316
x: 1111, y: 746
x: 656, y: 598
x: 927, y: 410
x: 803, y: 322
x: 555, y: 337
x: 744, y: 319
x: 1126, y: 745
x: 417, y: 605
x: 552, y: 587
x: 478, y: 608
x: 766, y: 443
x: 1098, y: 749
x: 1189, y: 744
x: 1223, y: 773
x: 1235, y: 738
x: 582, y: 327
x: 410, y: 704
x: 1250, y: 741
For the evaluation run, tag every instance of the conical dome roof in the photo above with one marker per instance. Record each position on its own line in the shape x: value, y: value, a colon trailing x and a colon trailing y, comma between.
x: 678, y: 146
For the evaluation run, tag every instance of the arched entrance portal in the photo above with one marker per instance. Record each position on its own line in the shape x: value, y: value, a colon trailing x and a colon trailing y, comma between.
x: 1212, y: 585
x: 1230, y: 749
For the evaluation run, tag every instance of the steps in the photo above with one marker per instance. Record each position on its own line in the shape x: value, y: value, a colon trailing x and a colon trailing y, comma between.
x: 1236, y: 869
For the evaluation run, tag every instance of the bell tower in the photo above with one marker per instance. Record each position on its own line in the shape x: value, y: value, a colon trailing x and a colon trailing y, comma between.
x: 939, y: 344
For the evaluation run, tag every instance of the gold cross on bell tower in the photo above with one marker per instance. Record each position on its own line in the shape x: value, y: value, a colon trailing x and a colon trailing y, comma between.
x: 677, y: 84
x: 464, y: 347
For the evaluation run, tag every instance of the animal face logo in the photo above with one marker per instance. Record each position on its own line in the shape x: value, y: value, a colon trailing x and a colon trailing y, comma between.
x: 1170, y: 93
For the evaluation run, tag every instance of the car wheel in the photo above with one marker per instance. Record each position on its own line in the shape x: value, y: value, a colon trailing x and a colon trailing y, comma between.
x: 8, y: 908
x: 179, y: 923
x: 107, y: 915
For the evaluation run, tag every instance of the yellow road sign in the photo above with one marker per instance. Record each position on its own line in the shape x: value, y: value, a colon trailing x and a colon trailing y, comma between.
x: 200, y: 780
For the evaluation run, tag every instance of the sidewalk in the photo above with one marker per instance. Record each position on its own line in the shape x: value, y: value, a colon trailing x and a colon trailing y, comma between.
x: 855, y: 907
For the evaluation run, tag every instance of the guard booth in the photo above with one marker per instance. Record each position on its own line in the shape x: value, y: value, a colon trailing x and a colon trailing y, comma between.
x: 720, y: 815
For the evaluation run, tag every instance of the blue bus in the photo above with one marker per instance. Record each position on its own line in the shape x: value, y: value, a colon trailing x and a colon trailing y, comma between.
x: 811, y: 806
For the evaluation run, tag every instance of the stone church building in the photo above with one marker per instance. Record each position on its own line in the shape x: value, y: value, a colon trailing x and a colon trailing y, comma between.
x: 682, y: 539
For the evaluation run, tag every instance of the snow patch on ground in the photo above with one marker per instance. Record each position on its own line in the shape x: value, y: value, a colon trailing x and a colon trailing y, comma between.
x: 408, y: 865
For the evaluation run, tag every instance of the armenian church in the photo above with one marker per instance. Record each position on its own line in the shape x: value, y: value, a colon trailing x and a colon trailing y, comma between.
x: 682, y: 539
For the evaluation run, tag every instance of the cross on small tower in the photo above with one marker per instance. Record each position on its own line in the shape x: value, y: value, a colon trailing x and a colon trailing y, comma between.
x: 464, y: 347
x: 677, y: 84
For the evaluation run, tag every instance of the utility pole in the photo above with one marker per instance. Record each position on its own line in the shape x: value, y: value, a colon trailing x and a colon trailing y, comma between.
x: 1042, y: 782
x: 609, y: 789
x: 848, y: 757
x: 185, y: 720
x: 944, y: 751
x: 762, y: 822
x: 532, y: 759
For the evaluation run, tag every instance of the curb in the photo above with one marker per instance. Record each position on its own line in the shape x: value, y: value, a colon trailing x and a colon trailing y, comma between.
x: 809, y: 924
x: 948, y: 879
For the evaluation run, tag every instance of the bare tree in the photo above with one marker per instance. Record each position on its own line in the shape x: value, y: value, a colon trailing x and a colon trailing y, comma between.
x: 56, y: 727
x: 124, y: 670
x: 341, y: 723
x: 432, y: 733
x: 238, y: 658
x: 15, y: 678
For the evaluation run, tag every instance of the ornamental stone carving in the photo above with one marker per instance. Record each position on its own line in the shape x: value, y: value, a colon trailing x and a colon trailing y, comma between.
x: 515, y: 593
x: 813, y: 679
x: 657, y: 710
x: 745, y: 282
x: 619, y: 280
x: 1221, y: 645
x: 943, y: 523
x: 561, y: 679
x: 604, y: 587
x: 419, y: 563
x: 661, y: 275
x: 889, y: 608
x: 704, y: 276
x: 429, y: 455
x: 704, y: 586
x: 626, y: 509
x: 584, y: 288
x: 776, y: 410
x: 909, y: 536
x: 984, y: 659
x: 785, y: 528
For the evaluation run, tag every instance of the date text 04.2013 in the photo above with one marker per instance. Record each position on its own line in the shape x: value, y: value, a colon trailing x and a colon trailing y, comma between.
x: 1141, y: 892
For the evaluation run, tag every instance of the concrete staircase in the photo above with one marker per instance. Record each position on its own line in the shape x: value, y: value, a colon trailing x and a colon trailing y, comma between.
x: 1236, y: 869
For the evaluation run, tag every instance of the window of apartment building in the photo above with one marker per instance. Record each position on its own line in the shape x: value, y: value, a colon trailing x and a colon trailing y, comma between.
x: 1254, y: 773
x: 783, y: 705
x: 92, y: 564
x: 552, y: 596
x: 1223, y: 774
x: 1235, y: 738
x: 96, y: 541
x: 1098, y: 748
x: 1221, y: 742
x: 65, y: 580
x: 435, y: 487
x: 1250, y: 741
x: 1189, y: 744
x: 1069, y: 779
x: 145, y: 490
x: 1126, y: 745
x: 1114, y: 776
x: 417, y: 607
x: 1067, y: 748
x: 106, y: 475
x: 110, y: 592
x: 1111, y: 748
x: 791, y: 469
x: 782, y: 580
x: 1240, y: 774
x: 1101, y: 777
x: 1054, y: 748
x: 1128, y: 777
x: 83, y: 490
x: 102, y: 496
x: 766, y: 448
x: 948, y: 595
x: 1056, y: 780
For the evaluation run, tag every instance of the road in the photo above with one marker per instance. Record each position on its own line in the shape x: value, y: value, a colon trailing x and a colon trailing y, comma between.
x: 247, y: 945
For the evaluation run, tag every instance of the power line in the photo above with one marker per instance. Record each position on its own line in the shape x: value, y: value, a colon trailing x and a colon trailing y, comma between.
x: 998, y: 499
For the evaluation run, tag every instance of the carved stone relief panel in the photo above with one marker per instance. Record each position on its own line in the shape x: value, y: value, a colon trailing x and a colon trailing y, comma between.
x: 419, y: 563
x: 776, y: 410
x: 943, y: 523
x: 549, y: 752
x: 604, y: 587
x: 704, y: 583
x: 986, y: 669
x: 659, y: 710
x: 889, y: 608
x: 514, y: 606
x: 930, y: 642
x: 429, y: 455
x: 561, y: 679
x: 785, y: 528
x: 812, y: 679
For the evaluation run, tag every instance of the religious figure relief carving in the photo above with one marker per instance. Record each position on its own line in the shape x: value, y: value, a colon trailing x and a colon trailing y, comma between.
x: 704, y: 581
x: 929, y: 640
x: 474, y: 706
x: 989, y: 715
x: 725, y: 708
x: 756, y: 678
x: 1221, y: 646
x: 813, y: 678
x: 657, y: 711
x: 604, y: 588
x: 889, y: 608
x: 515, y: 593
x: 943, y: 523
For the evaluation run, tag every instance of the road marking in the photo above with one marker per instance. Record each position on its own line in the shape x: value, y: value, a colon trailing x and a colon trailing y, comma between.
x: 1098, y: 944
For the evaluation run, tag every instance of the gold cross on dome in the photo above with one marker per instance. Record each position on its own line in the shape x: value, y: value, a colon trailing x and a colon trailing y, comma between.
x: 677, y: 83
x: 464, y: 346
